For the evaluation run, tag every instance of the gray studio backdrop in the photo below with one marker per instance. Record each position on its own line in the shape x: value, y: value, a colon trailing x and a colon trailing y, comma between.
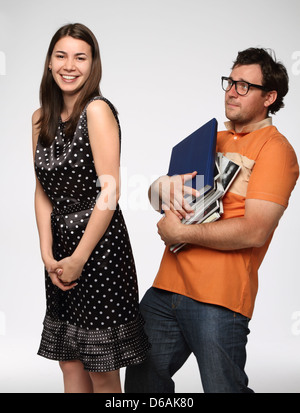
x: 162, y: 63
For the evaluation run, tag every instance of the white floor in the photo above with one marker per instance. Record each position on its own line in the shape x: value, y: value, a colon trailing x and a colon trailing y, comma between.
x: 271, y: 367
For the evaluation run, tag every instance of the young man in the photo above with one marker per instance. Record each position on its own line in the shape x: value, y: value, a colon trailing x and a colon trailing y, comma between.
x: 203, y: 296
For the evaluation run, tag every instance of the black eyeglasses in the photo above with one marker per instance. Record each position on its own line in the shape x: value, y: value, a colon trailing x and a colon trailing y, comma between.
x: 241, y: 87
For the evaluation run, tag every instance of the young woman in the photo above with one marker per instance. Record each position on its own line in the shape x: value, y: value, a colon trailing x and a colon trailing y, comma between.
x: 92, y: 325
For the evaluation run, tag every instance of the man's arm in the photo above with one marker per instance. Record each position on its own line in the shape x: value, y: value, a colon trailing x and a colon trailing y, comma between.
x: 251, y: 230
x: 170, y: 191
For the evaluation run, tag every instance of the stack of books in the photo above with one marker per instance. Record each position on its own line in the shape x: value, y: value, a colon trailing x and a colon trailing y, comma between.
x: 197, y: 152
x: 209, y: 207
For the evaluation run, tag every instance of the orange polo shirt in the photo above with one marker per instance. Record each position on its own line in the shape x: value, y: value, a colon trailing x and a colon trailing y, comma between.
x: 269, y: 171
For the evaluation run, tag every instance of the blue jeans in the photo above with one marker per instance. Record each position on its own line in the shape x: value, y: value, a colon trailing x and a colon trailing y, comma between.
x: 178, y: 326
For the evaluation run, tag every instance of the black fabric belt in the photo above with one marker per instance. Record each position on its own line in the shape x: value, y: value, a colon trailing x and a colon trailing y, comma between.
x: 71, y: 208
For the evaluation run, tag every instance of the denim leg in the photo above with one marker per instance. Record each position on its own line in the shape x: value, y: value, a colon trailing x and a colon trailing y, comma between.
x: 169, y: 349
x: 218, y: 339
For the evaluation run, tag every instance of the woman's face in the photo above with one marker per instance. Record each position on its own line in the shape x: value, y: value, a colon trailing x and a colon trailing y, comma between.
x: 71, y: 63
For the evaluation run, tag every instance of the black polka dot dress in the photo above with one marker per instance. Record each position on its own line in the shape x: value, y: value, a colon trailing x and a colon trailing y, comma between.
x: 98, y: 321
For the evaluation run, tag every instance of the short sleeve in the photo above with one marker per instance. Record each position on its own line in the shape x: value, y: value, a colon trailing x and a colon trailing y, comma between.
x: 275, y: 172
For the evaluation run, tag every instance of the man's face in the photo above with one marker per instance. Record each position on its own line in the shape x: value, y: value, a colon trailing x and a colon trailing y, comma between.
x: 251, y: 108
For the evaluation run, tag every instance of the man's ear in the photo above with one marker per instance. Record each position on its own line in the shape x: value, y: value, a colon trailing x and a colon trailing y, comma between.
x: 270, y: 98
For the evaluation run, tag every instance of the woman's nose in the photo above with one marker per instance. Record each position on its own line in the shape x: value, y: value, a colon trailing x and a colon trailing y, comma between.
x: 69, y: 64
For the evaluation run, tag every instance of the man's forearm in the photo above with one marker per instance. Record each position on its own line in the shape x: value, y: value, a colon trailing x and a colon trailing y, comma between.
x: 230, y: 234
x: 251, y: 230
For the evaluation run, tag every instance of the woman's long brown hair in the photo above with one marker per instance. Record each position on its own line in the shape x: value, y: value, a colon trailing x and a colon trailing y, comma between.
x: 51, y: 98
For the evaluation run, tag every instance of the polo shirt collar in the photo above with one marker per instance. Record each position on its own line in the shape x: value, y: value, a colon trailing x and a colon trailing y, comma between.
x: 252, y: 127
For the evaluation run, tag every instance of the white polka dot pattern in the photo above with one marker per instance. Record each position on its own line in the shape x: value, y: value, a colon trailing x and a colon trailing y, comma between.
x: 98, y: 321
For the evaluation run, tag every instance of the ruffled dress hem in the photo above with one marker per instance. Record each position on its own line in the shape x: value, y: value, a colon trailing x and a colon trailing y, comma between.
x: 99, y: 350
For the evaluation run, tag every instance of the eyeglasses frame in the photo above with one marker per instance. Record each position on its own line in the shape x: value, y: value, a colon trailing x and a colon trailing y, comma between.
x: 234, y: 82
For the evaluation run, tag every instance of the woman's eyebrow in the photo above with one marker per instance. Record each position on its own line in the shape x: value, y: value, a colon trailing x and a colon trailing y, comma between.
x: 76, y: 54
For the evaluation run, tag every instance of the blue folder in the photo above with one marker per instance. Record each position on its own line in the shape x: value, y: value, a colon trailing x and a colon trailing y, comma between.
x: 197, y: 153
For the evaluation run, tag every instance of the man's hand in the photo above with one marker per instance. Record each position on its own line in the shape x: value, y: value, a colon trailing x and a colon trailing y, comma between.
x: 170, y: 227
x: 170, y: 191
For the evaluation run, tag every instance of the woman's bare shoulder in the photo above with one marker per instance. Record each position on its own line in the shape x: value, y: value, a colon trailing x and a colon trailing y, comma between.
x: 36, y: 116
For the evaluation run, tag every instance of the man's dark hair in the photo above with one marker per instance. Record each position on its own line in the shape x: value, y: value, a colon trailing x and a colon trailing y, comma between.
x: 275, y: 76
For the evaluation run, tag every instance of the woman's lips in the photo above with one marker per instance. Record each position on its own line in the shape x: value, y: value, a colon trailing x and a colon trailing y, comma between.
x: 69, y: 78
